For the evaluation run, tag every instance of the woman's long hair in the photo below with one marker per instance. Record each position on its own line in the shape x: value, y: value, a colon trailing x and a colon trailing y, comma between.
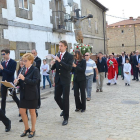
x: 77, y: 52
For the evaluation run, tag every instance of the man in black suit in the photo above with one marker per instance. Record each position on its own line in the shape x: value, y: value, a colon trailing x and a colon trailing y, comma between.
x: 135, y: 63
x: 122, y: 61
x: 7, y: 70
x: 63, y: 66
x: 5, y: 121
x: 38, y: 64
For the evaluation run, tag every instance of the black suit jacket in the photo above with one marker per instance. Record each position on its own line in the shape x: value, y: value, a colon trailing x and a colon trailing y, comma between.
x: 8, y: 72
x: 63, y: 68
x: 38, y: 62
x: 102, y: 67
x: 135, y: 62
x: 79, y: 71
x: 120, y: 60
x: 28, y: 87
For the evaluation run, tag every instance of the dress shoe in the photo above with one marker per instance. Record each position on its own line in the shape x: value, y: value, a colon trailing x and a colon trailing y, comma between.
x: 62, y: 114
x: 115, y: 84
x: 25, y: 133
x: 83, y: 110
x: 108, y: 84
x: 88, y: 99
x: 31, y: 135
x: 65, y: 122
x: 125, y: 84
x: 97, y: 90
x: 133, y: 79
x: 76, y: 110
x: 128, y: 84
x: 20, y: 120
x: 137, y: 80
x: 8, y: 128
x: 122, y: 78
x: 101, y: 90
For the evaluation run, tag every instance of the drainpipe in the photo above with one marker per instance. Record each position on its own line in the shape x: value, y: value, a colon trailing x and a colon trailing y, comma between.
x: 104, y: 31
x: 135, y: 36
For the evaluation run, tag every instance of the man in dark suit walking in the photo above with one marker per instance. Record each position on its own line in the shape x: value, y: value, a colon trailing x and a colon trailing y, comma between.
x: 5, y: 121
x: 135, y: 63
x: 38, y: 64
x: 7, y: 70
x: 63, y: 66
x: 122, y: 61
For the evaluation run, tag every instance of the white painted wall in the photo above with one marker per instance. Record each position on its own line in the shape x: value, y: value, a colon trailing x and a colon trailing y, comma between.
x: 41, y: 17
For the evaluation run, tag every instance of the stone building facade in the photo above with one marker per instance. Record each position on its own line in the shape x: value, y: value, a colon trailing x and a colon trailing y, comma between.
x: 94, y: 29
x: 124, y: 36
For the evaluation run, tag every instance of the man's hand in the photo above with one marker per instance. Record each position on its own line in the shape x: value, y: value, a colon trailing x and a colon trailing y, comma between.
x: 15, y: 81
x: 21, y: 77
x: 1, y: 67
x: 52, y: 62
x: 74, y: 65
x: 57, y: 59
x: 137, y: 66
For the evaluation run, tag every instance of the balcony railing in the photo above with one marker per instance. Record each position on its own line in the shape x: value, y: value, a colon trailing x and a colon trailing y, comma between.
x: 59, y: 24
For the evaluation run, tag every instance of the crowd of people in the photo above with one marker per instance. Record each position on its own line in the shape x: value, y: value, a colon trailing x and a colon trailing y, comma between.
x: 66, y: 69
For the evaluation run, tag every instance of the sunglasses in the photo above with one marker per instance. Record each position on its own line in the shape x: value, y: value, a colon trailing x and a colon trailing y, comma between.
x: 86, y: 55
x: 3, y: 54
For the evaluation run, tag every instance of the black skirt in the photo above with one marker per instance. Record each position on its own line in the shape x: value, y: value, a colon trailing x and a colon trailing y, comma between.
x: 28, y: 104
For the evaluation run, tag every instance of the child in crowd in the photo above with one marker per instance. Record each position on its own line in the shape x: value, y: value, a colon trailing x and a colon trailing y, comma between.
x: 127, y: 72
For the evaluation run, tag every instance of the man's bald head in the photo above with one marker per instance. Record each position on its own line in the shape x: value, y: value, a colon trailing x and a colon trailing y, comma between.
x: 34, y: 52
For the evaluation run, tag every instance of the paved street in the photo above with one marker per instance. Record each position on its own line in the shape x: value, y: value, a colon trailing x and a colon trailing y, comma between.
x: 111, y: 115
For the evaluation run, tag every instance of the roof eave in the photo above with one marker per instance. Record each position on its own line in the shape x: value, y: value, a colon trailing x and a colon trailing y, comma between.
x: 99, y: 5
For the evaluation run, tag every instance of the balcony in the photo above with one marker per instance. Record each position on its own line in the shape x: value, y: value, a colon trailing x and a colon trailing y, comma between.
x: 59, y: 25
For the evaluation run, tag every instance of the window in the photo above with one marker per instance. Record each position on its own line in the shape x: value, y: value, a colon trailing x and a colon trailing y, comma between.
x: 89, y: 22
x: 22, y: 52
x: 24, y: 4
x: 122, y: 31
x: 96, y: 27
x: 122, y: 45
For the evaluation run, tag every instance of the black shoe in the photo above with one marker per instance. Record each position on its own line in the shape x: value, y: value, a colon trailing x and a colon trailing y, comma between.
x: 82, y: 110
x: 65, y: 122
x: 72, y: 89
x: 123, y: 79
x: 137, y: 80
x: 115, y: 84
x: 62, y: 114
x: 20, y: 120
x: 76, y: 110
x: 8, y: 128
x: 126, y: 84
x: 19, y: 115
x: 31, y: 135
x: 133, y: 79
x: 25, y: 133
x: 108, y: 84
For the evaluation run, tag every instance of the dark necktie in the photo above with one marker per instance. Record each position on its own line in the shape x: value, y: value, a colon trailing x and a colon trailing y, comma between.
x: 6, y: 64
x: 26, y: 71
x: 60, y: 57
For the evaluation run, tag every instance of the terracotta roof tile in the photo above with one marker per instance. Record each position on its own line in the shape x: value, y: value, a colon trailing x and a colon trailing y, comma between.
x: 126, y: 22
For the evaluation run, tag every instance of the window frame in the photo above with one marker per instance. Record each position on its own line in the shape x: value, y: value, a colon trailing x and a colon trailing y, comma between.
x: 23, y: 5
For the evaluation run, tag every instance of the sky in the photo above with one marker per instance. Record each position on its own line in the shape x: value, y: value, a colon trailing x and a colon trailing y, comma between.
x: 121, y: 8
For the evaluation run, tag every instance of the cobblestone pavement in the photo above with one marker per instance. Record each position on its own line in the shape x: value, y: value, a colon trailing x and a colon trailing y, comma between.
x: 110, y: 115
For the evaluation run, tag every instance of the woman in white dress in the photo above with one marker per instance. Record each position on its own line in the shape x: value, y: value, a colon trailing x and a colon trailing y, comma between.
x: 127, y: 72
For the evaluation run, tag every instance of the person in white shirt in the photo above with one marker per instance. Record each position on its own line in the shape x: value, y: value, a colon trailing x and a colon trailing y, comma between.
x: 45, y: 70
x: 127, y: 72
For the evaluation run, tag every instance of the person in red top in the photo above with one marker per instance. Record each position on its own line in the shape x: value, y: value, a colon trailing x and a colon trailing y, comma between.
x: 112, y: 70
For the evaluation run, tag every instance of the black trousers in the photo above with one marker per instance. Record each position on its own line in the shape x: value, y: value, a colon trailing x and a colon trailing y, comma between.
x: 133, y: 71
x: 62, y: 101
x: 136, y: 72
x: 3, y: 118
x: 3, y: 96
x: 80, y: 104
